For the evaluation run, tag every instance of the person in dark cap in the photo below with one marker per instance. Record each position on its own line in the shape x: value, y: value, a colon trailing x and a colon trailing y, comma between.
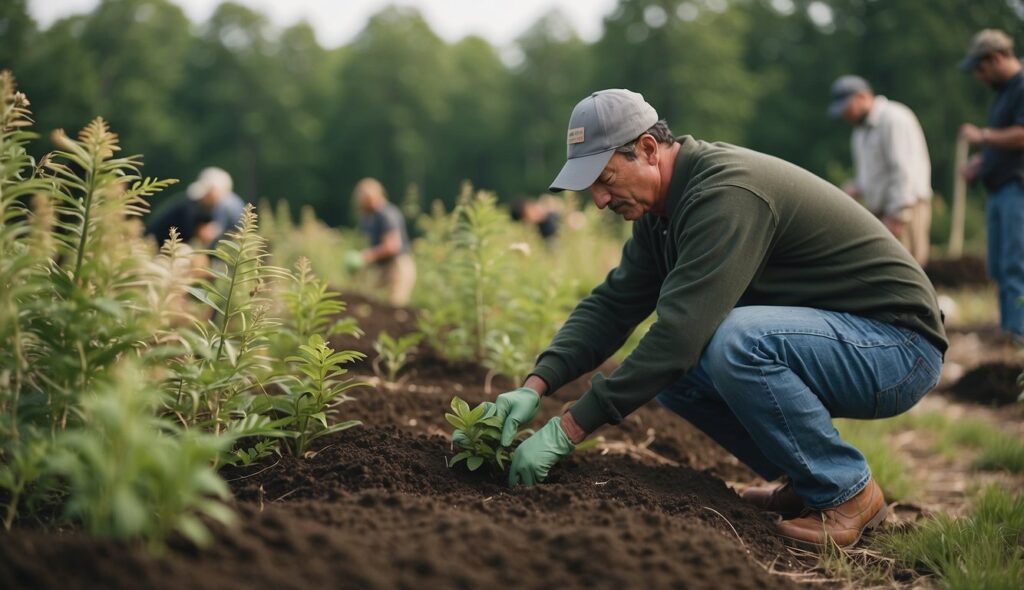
x: 1000, y: 167
x: 781, y: 303
x: 890, y: 156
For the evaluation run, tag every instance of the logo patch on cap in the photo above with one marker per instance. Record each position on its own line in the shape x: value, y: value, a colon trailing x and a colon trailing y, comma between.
x: 575, y: 135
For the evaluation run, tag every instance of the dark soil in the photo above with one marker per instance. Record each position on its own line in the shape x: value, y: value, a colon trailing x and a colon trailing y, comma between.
x: 992, y: 384
x: 377, y: 507
x: 957, y: 272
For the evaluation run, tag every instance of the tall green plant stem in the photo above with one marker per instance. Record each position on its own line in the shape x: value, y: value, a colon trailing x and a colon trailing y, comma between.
x: 85, y: 220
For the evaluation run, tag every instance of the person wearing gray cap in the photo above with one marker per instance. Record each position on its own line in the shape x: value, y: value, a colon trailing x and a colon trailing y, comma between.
x: 890, y: 155
x: 1000, y: 167
x: 781, y: 303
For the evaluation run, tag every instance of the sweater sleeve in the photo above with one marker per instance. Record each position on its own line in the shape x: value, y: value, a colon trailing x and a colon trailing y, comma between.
x: 722, y: 240
x: 602, y: 321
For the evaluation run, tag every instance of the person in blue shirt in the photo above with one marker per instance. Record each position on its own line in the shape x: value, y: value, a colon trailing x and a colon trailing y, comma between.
x: 390, y: 253
x: 1000, y: 167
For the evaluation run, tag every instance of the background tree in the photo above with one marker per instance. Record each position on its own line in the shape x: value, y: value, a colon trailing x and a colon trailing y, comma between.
x: 295, y: 121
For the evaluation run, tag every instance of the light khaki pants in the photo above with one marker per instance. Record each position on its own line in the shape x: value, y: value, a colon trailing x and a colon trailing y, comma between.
x: 399, y: 277
x: 915, y: 233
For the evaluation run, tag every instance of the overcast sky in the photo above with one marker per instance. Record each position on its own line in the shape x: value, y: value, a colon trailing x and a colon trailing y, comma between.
x: 337, y: 21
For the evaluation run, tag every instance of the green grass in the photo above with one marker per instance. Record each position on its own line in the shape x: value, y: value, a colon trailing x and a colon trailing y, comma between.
x: 984, y: 549
x: 997, y: 450
x: 888, y: 469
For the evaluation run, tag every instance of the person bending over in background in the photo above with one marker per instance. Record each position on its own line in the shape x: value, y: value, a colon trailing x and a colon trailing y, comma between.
x: 212, y: 190
x: 781, y: 304
x: 390, y: 251
x: 194, y: 223
x: 1000, y: 167
x: 890, y: 156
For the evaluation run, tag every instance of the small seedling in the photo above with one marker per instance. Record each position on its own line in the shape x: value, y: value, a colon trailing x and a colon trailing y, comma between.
x: 476, y: 436
x: 394, y: 353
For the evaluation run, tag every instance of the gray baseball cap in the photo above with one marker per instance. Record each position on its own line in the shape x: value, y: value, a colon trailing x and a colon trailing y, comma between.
x: 983, y: 44
x: 843, y: 90
x: 601, y: 122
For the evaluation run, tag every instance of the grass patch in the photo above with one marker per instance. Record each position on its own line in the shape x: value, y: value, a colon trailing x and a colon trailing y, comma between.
x: 997, y: 449
x: 888, y: 469
x: 982, y: 550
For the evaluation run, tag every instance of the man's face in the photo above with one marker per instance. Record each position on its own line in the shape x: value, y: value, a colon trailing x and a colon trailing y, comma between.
x: 986, y: 72
x: 857, y: 108
x: 628, y: 187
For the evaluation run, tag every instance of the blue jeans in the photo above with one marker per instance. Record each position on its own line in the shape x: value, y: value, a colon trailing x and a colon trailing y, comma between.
x: 1004, y: 217
x: 772, y: 378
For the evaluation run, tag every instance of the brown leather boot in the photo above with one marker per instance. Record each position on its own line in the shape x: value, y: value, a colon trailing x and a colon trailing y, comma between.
x: 844, y: 524
x: 780, y: 498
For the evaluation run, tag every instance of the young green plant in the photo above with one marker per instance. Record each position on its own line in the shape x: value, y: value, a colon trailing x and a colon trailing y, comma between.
x: 476, y: 436
x: 394, y: 354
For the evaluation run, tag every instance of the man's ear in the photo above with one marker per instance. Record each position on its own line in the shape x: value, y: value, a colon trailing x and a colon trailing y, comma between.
x: 648, y: 148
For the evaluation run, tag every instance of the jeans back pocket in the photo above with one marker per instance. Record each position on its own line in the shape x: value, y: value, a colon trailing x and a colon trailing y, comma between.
x: 904, y: 395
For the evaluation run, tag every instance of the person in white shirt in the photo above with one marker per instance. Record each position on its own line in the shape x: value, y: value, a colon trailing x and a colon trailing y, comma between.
x: 890, y: 157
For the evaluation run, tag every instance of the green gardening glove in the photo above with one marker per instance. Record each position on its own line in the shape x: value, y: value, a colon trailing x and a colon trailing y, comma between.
x: 539, y: 453
x: 515, y: 408
x: 354, y: 261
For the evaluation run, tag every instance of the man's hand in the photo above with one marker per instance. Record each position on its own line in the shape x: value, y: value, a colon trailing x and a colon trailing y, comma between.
x: 972, y: 133
x: 515, y: 408
x: 354, y: 261
x: 539, y: 453
x: 972, y: 168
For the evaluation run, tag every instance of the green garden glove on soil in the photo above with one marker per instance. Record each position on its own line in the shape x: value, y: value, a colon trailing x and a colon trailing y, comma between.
x: 354, y: 260
x: 515, y: 408
x: 539, y: 453
x: 459, y: 438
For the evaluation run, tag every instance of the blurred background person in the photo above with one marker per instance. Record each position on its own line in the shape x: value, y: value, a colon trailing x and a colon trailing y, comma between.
x: 538, y: 213
x: 1000, y: 167
x: 890, y: 157
x: 194, y: 223
x: 212, y: 190
x: 390, y: 252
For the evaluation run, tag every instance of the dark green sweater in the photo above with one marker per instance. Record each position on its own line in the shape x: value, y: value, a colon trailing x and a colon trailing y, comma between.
x: 740, y: 228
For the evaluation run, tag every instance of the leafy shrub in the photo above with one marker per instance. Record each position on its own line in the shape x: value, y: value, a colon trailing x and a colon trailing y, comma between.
x: 313, y: 398
x: 476, y: 436
x: 131, y: 474
x: 131, y: 376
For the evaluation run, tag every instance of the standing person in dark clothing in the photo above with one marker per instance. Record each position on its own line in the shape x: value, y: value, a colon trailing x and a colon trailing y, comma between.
x: 781, y: 303
x: 389, y: 251
x: 1000, y: 167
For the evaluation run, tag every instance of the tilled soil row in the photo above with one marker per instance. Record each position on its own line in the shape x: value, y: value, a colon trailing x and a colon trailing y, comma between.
x: 377, y: 507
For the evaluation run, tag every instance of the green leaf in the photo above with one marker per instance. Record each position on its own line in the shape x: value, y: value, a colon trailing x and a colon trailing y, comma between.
x: 474, y: 463
x: 456, y: 422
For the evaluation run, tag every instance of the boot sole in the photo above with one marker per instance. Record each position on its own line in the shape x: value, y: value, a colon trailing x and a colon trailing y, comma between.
x: 876, y: 520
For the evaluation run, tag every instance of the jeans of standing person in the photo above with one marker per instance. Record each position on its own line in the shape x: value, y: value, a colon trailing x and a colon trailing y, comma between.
x: 772, y: 378
x: 1004, y: 217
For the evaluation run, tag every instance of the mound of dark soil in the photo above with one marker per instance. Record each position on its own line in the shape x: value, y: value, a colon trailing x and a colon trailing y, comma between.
x: 957, y: 272
x: 993, y: 384
x: 377, y: 507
